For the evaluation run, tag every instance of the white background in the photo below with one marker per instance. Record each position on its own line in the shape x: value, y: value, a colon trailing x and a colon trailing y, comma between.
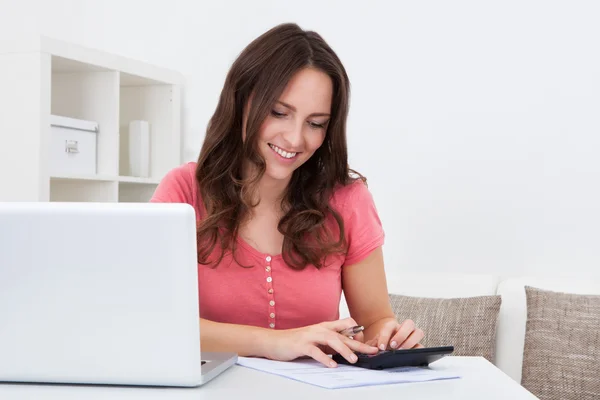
x: 477, y: 123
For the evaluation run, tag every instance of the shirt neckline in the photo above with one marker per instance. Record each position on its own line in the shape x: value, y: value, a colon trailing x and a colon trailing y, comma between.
x: 255, y: 252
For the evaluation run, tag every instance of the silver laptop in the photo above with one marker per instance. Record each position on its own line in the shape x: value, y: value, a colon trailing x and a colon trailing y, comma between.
x: 101, y: 293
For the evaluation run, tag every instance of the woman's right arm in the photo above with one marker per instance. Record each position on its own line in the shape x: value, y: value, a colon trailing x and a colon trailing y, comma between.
x: 246, y: 341
x: 314, y: 341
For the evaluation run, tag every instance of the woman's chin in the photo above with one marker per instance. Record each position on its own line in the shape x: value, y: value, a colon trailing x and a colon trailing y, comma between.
x: 279, y: 174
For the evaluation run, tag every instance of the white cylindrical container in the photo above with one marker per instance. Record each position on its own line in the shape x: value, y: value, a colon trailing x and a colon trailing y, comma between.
x: 139, y: 148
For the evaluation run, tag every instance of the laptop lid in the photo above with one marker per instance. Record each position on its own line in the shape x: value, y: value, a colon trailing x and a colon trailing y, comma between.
x: 100, y: 293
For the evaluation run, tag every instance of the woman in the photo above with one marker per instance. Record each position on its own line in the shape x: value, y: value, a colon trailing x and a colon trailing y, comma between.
x: 283, y: 224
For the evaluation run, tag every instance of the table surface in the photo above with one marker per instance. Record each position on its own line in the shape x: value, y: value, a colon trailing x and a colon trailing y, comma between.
x: 480, y: 380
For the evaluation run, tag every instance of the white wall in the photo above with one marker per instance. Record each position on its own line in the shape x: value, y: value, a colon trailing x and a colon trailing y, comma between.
x: 477, y: 123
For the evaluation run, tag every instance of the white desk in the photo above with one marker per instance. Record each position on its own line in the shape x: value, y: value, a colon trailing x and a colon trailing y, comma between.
x: 481, y: 380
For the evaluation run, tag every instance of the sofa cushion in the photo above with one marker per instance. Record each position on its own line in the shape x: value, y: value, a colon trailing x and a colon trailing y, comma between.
x: 510, y: 340
x: 561, y: 358
x: 467, y: 323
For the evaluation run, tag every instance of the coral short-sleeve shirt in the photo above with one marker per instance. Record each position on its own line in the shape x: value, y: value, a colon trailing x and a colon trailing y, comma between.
x: 270, y: 294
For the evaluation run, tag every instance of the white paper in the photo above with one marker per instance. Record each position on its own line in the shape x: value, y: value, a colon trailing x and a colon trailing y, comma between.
x: 343, y: 376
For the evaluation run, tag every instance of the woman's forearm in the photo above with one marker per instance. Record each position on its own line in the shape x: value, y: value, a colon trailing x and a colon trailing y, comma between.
x: 246, y: 341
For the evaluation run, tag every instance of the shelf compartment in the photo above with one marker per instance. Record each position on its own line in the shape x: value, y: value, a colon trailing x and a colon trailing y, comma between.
x: 87, y: 92
x: 159, y: 105
x: 83, y: 190
x: 134, y: 192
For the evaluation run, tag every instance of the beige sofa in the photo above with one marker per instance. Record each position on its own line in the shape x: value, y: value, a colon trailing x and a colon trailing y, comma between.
x: 509, y: 340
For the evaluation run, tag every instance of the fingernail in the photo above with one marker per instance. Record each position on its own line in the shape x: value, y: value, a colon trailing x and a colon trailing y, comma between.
x: 382, y: 346
x: 393, y: 344
x: 332, y: 364
x: 353, y: 357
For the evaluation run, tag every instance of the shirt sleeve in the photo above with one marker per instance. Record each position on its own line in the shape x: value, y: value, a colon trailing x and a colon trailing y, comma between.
x: 364, y: 230
x: 176, y: 187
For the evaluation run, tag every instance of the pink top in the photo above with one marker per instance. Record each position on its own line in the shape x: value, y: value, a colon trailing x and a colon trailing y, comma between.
x: 270, y: 294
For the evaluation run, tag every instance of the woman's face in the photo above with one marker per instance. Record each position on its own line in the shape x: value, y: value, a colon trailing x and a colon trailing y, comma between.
x: 296, y: 126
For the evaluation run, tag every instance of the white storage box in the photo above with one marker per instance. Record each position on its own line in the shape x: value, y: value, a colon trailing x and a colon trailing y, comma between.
x: 73, y: 146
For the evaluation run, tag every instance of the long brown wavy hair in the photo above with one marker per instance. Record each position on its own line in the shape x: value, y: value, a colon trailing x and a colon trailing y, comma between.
x: 262, y: 71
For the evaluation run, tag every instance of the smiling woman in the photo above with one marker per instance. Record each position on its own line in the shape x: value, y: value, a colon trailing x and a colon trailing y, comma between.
x: 283, y: 222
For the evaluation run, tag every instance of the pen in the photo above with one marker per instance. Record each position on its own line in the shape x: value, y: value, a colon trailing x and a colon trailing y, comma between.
x: 352, y: 331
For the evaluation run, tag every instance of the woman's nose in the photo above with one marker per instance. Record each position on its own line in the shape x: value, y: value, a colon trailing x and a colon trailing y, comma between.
x: 293, y: 136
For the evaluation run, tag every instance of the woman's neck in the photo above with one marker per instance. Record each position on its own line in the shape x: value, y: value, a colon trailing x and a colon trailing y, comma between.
x: 271, y: 192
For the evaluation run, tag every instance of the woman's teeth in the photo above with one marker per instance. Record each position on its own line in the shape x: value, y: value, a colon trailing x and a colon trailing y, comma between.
x: 282, y: 153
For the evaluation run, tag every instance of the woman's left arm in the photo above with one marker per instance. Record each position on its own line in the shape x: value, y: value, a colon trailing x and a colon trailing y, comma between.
x: 365, y: 290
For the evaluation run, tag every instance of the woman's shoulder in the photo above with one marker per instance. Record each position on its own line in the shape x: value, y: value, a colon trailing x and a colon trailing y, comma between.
x: 186, y: 169
x: 354, y: 202
x: 362, y: 224
x: 178, y: 185
x: 345, y: 197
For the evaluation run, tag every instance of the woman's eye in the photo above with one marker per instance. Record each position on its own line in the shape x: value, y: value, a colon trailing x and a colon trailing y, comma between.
x: 277, y: 114
x: 314, y: 125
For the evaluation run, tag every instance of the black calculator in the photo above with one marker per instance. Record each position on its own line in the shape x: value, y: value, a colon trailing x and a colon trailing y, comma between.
x: 420, y: 357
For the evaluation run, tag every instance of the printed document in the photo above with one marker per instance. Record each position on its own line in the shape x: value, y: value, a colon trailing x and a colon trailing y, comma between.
x: 343, y: 376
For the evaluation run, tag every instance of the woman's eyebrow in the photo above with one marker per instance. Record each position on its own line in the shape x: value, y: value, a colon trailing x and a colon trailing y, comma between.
x: 291, y: 107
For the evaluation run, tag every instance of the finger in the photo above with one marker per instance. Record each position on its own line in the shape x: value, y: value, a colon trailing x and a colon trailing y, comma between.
x: 406, y: 328
x: 359, y: 337
x: 326, y: 349
x: 315, y: 353
x: 418, y: 346
x: 340, y: 324
x: 413, y: 339
x: 359, y: 347
x: 340, y: 347
x: 373, y: 341
x: 385, y: 334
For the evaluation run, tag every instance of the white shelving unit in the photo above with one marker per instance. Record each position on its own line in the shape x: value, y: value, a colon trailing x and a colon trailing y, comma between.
x: 40, y: 77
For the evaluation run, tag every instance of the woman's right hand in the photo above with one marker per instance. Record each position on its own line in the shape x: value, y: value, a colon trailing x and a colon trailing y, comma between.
x: 316, y: 341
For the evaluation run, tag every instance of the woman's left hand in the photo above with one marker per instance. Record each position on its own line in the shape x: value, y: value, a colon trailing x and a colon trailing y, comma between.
x: 394, y: 335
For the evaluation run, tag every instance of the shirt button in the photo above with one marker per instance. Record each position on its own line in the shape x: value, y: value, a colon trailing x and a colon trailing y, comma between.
x: 270, y: 291
x: 271, y: 303
x: 268, y: 269
x: 272, y: 315
x: 272, y: 325
x: 269, y: 279
x: 268, y: 258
